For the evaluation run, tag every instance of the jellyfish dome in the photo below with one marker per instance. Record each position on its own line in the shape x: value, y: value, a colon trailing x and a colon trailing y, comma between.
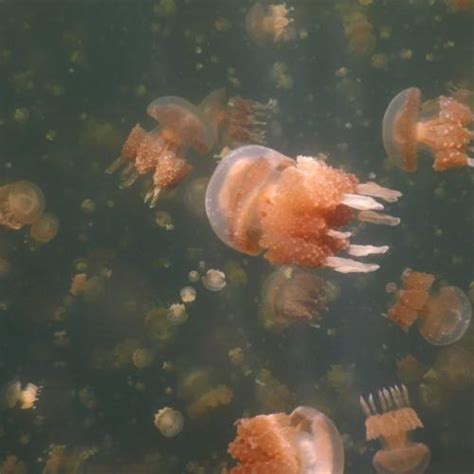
x: 260, y: 201
x: 445, y: 134
x: 306, y: 441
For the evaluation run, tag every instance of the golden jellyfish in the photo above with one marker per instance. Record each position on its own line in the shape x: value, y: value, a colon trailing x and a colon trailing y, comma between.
x: 162, y: 151
x: 445, y: 134
x: 169, y: 422
x: 269, y: 24
x: 25, y: 398
x: 214, y: 280
x: 306, y: 441
x: 44, y: 229
x: 291, y: 294
x: 359, y: 33
x: 442, y: 317
x: 259, y: 200
x: 21, y: 203
x: 392, y: 422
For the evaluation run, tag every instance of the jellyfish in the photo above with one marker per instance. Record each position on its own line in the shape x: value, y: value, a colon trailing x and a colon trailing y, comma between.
x: 14, y: 395
x: 444, y: 134
x: 187, y: 294
x: 291, y: 294
x: 306, y: 441
x: 269, y: 24
x: 21, y: 203
x: 169, y: 422
x: 392, y: 422
x: 442, y: 317
x: 44, y: 229
x: 259, y: 200
x: 162, y: 151
x: 359, y: 33
x: 214, y: 280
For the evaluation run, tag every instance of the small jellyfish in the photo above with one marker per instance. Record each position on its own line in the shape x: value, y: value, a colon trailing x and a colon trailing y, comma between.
x: 445, y: 134
x: 291, y: 294
x: 214, y: 280
x: 162, y: 151
x: 442, y: 317
x: 392, y: 422
x: 169, y: 422
x: 177, y: 314
x: 259, y: 200
x: 269, y: 24
x: 143, y: 358
x: 25, y: 398
x: 21, y: 203
x: 306, y: 441
x: 187, y: 294
x: 44, y: 229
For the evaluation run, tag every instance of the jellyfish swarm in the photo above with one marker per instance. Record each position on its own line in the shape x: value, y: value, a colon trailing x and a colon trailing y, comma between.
x: 442, y: 317
x: 393, y: 424
x: 21, y: 203
x: 162, y: 151
x: 291, y: 294
x: 259, y: 200
x: 269, y: 24
x: 445, y: 134
x: 306, y: 441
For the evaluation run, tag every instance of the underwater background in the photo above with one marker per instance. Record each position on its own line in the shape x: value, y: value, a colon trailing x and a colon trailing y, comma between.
x: 75, y: 76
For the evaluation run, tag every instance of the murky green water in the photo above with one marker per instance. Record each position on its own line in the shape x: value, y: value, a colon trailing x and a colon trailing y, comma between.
x: 74, y: 78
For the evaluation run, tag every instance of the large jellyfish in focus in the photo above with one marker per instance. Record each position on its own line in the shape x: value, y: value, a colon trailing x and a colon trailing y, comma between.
x: 306, y: 441
x: 259, y: 200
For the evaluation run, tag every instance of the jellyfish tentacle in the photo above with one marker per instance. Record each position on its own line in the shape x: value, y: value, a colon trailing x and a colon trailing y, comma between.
x: 347, y: 265
x: 361, y: 203
x: 364, y: 250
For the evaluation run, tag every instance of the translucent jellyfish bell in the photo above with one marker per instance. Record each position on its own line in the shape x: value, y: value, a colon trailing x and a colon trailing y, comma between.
x: 232, y: 190
x: 446, y: 316
x: 44, y: 229
x: 399, y: 128
x: 184, y: 119
x: 20, y: 203
x: 169, y: 422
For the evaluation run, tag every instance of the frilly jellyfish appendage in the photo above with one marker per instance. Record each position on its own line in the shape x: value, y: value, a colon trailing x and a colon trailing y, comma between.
x: 259, y: 200
x: 399, y: 128
x: 306, y: 441
x: 392, y: 421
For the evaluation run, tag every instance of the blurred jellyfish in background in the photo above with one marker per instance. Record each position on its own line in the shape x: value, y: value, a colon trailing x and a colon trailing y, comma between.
x: 202, y: 392
x: 162, y: 151
x: 359, y: 32
x: 291, y: 295
x: 44, y: 229
x: 194, y: 196
x: 15, y: 396
x: 444, y: 133
x: 442, y: 317
x: 392, y: 421
x: 259, y: 200
x: 269, y: 23
x: 214, y: 280
x: 21, y: 203
x: 62, y: 458
x: 306, y: 441
x: 169, y: 422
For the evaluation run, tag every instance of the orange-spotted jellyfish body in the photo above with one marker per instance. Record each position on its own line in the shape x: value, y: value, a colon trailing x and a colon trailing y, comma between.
x: 391, y: 422
x: 442, y: 316
x: 21, y: 203
x: 291, y: 295
x: 259, y: 200
x: 306, y: 441
x: 445, y: 134
x: 162, y: 151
